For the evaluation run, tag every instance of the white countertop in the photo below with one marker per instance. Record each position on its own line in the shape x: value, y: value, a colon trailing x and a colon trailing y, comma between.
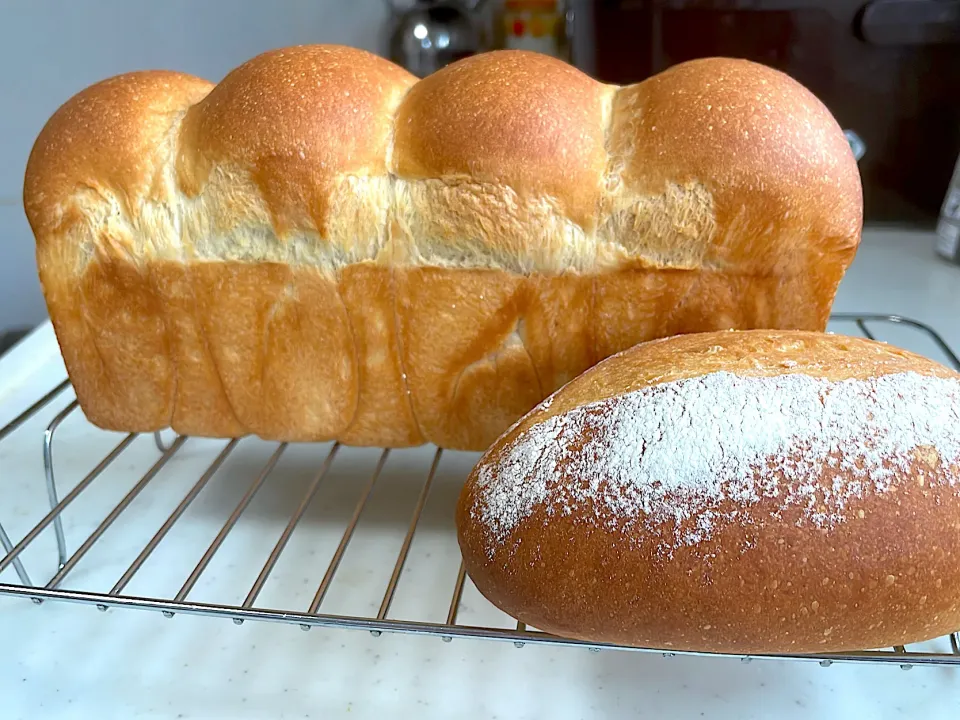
x: 70, y: 661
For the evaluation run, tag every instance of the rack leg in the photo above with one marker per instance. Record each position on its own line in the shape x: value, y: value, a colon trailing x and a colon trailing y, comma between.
x: 457, y: 595
x: 861, y: 323
x: 105, y: 524
x: 32, y: 410
x: 52, y: 483
x: 158, y: 441
x: 17, y: 565
x: 521, y: 627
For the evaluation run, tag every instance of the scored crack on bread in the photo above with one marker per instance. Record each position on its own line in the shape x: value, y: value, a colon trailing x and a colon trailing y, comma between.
x: 738, y: 491
x: 323, y: 247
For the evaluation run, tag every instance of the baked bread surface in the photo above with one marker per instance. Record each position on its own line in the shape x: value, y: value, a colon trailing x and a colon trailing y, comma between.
x: 745, y: 492
x: 322, y: 247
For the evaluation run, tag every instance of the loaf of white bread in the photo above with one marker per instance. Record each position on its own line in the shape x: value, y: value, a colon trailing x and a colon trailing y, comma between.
x: 322, y: 247
x: 744, y: 492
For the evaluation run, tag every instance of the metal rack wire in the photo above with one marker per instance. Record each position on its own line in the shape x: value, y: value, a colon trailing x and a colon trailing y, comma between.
x: 312, y: 614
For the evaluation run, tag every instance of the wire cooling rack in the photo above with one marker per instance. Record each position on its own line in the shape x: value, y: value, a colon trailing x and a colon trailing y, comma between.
x: 312, y: 535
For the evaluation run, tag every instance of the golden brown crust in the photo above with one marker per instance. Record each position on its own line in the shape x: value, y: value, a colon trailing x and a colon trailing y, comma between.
x: 296, y: 120
x: 92, y: 178
x: 109, y: 138
x: 772, y: 160
x: 769, y: 580
x: 708, y: 163
x: 384, y: 416
x: 464, y: 386
x: 322, y: 247
x: 875, y: 582
x: 201, y: 405
x: 748, y: 353
x: 288, y: 370
x: 751, y: 353
x: 494, y: 118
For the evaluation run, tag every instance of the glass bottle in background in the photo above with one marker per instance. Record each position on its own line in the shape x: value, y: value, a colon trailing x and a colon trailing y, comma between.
x: 543, y: 26
x: 948, y: 227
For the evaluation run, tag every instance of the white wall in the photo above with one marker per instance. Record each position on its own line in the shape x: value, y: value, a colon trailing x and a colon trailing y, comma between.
x: 50, y: 49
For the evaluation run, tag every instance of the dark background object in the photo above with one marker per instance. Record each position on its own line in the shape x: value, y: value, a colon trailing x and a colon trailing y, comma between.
x: 9, y: 338
x: 431, y: 34
x: 888, y: 69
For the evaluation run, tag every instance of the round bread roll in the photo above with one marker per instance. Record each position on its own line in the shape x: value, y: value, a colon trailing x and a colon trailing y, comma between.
x: 744, y: 492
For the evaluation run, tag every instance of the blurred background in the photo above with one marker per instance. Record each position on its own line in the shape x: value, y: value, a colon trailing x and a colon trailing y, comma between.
x: 889, y: 70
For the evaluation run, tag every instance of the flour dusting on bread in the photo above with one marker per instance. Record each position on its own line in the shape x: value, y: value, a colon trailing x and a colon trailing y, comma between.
x: 684, y: 456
